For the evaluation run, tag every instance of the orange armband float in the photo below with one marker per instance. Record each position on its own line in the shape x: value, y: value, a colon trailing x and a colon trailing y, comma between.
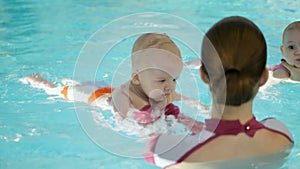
x: 96, y: 94
x: 65, y: 92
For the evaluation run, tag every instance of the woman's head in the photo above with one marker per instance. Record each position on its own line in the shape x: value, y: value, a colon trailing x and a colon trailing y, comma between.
x: 239, y: 47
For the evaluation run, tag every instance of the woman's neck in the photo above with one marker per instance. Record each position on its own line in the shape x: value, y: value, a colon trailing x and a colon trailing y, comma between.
x: 242, y: 112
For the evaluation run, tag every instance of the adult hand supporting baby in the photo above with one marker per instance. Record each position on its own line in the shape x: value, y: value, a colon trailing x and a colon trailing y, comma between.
x: 295, y: 72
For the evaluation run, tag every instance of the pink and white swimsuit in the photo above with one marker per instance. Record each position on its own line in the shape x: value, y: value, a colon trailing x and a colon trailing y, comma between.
x: 281, y: 66
x: 169, y: 150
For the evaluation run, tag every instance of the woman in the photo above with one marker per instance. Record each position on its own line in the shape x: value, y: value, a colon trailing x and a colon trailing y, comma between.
x: 234, y: 56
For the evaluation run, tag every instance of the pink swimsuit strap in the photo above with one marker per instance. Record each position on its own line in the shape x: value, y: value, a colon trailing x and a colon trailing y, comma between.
x: 233, y: 127
x: 144, y: 115
x: 281, y: 66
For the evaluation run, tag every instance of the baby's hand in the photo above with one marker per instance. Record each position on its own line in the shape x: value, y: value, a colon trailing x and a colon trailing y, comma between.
x: 295, y: 72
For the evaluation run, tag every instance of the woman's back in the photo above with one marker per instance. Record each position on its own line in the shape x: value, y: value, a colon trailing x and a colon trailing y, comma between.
x: 223, y: 140
x: 273, y: 161
x: 265, y: 142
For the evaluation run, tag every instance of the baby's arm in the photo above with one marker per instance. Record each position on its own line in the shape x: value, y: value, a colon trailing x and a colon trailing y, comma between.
x: 191, y: 102
x: 120, y: 101
x: 294, y: 71
x: 193, y: 64
x: 280, y: 73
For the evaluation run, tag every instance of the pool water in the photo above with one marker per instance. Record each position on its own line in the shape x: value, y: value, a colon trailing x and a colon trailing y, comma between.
x: 40, y: 131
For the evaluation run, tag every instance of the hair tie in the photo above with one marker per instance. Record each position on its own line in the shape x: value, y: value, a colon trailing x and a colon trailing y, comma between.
x: 232, y: 70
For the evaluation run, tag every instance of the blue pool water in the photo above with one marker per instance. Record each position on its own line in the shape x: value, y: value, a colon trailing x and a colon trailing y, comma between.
x: 38, y: 131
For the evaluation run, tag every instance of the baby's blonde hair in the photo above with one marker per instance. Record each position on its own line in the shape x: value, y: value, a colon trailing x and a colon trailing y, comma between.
x: 156, y: 40
x: 292, y: 26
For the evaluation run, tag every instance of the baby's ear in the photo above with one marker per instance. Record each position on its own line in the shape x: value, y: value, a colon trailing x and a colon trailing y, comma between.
x: 135, y: 78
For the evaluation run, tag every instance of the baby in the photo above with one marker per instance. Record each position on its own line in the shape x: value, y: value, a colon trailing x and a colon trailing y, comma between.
x: 290, y: 66
x: 148, y: 96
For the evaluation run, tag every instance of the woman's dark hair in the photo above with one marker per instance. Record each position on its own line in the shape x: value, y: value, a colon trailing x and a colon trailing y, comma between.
x: 239, y: 47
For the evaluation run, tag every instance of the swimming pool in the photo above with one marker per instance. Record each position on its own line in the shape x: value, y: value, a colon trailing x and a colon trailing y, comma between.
x: 38, y: 131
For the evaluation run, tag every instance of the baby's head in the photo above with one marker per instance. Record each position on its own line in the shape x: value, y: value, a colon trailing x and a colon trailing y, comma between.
x: 156, y: 64
x: 241, y: 48
x: 156, y: 40
x: 290, y: 47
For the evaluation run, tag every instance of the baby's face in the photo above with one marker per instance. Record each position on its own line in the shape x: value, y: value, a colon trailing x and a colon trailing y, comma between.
x: 291, y: 47
x: 157, y: 84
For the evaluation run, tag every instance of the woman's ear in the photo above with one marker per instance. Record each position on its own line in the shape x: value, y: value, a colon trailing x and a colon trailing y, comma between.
x: 135, y: 78
x: 264, y: 77
x: 204, y: 76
